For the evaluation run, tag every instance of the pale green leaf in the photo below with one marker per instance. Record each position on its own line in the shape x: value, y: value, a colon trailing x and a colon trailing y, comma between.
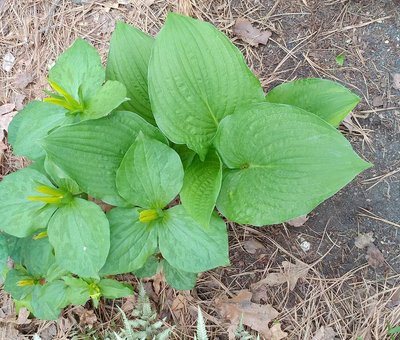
x: 131, y: 242
x: 179, y: 279
x: 80, y: 234
x: 37, y: 255
x: 79, y: 70
x: 201, y: 186
x: 112, y: 289
x: 49, y: 299
x: 327, y: 99
x: 91, y: 151
x: 196, y: 78
x: 11, y: 286
x: 150, y: 175
x: 189, y: 246
x: 32, y: 124
x: 185, y: 154
x: 128, y: 62
x: 4, y: 253
x: 18, y: 215
x: 283, y: 162
x: 78, y: 292
x: 107, y: 98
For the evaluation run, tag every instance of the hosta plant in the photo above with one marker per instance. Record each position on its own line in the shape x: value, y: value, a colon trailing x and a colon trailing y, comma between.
x: 177, y: 136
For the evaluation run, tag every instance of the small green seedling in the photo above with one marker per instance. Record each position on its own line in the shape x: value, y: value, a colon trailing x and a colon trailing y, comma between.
x: 340, y: 59
x: 174, y: 130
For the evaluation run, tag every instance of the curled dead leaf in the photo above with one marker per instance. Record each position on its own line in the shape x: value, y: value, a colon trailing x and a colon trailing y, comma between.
x: 253, y: 315
x: 396, y: 81
x: 86, y: 317
x: 244, y: 30
x: 298, y: 221
x: 276, y: 332
x: 364, y: 240
x: 324, y: 333
x: 23, y: 80
x: 374, y: 256
x: 252, y: 245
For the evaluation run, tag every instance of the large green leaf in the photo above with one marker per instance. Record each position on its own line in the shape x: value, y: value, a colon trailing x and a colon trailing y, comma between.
x: 132, y: 242
x: 107, y: 98
x: 179, y: 279
x: 49, y: 300
x: 196, y: 78
x: 80, y: 234
x: 112, y: 289
x: 150, y: 175
x: 18, y: 215
x: 78, y: 291
x: 128, y: 62
x: 201, y: 186
x: 91, y: 151
x: 189, y: 246
x: 327, y: 99
x: 32, y: 124
x: 78, y: 70
x: 37, y: 255
x: 283, y: 162
x: 11, y: 284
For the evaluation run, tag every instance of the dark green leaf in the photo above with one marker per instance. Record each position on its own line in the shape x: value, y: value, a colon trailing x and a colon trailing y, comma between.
x: 149, y: 269
x: 290, y: 162
x: 132, y: 242
x: 127, y: 62
x: 11, y: 286
x: 37, y: 256
x: 91, y: 151
x: 189, y: 246
x: 179, y: 279
x: 201, y: 186
x: 80, y: 234
x: 150, y: 175
x: 112, y: 289
x: 329, y: 100
x: 196, y: 78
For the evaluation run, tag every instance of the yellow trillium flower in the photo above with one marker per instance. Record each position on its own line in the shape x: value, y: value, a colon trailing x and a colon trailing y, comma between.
x: 146, y: 216
x: 26, y: 282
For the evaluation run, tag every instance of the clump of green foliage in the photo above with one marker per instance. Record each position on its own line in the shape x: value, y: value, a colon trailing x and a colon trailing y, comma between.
x: 179, y: 115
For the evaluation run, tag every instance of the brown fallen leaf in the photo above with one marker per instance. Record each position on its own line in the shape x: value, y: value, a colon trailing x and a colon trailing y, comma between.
x: 377, y: 101
x: 291, y: 274
x: 364, y: 240
x: 253, y: 315
x: 396, y: 81
x: 348, y: 123
x: 179, y: 302
x: 374, y: 256
x: 23, y: 80
x: 23, y: 317
x: 252, y: 245
x: 6, y: 108
x: 244, y: 30
x: 298, y: 221
x: 276, y: 332
x: 19, y: 101
x: 86, y: 317
x: 324, y: 333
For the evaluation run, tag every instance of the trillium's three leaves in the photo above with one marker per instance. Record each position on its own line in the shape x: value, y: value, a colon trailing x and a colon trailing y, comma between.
x: 329, y: 100
x: 290, y: 162
x: 20, y: 216
x: 48, y: 300
x: 189, y: 246
x: 91, y: 151
x: 196, y: 78
x: 127, y: 63
x: 112, y: 289
x: 150, y: 175
x: 79, y: 232
x: 179, y: 279
x: 107, y: 98
x: 201, y: 186
x: 32, y: 124
x: 79, y: 70
x: 132, y: 242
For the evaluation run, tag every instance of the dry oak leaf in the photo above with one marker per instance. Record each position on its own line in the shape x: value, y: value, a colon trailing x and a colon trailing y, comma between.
x: 291, y: 274
x: 86, y: 317
x: 298, y: 221
x: 253, y: 315
x: 276, y: 332
x: 23, y: 80
x: 252, y: 245
x: 374, y: 256
x: 244, y: 30
x: 324, y: 333
x: 364, y: 240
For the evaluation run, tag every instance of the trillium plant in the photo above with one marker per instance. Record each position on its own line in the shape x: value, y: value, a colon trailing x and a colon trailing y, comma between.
x: 177, y: 136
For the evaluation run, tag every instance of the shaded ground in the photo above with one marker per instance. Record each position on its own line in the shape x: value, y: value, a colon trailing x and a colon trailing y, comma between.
x: 341, y: 291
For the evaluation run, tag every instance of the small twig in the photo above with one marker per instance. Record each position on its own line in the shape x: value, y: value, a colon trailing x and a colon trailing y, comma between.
x: 377, y: 218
